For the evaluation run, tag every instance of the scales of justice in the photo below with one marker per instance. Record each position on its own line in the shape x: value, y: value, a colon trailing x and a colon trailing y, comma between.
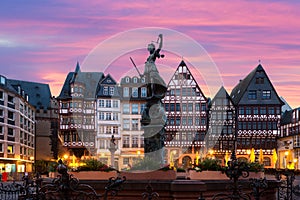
x: 153, y: 116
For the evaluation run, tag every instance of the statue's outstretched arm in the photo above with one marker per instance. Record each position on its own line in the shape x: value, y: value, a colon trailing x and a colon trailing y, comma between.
x: 160, y: 41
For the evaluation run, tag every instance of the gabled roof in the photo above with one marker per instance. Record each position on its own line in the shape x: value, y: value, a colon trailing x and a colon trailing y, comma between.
x: 183, y: 64
x: 240, y: 89
x: 222, y: 93
x: 39, y: 93
x: 108, y: 81
x: 89, y: 80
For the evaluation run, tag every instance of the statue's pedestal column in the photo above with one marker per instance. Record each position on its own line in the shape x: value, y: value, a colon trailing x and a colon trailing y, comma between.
x: 112, y: 150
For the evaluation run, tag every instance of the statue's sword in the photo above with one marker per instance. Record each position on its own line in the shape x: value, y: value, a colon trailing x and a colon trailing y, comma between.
x: 136, y: 67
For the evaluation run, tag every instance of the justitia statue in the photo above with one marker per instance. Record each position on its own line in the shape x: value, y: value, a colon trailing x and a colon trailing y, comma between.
x: 154, y: 117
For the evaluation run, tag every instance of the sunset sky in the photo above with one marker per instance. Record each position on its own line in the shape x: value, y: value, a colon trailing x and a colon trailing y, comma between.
x: 42, y: 41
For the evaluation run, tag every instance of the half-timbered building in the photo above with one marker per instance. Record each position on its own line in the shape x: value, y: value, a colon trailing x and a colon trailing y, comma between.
x: 220, y: 137
x: 77, y: 111
x: 258, y: 109
x: 289, y: 140
x: 186, y: 110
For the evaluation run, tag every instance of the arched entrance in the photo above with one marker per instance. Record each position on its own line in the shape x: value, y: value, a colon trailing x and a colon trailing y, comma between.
x: 186, y: 162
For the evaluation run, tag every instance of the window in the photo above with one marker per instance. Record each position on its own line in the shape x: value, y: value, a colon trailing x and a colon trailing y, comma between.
x: 126, y: 108
x: 266, y: 94
x: 10, y: 148
x: 143, y: 92
x: 135, y: 80
x: 108, y: 130
x: 107, y: 116
x: 135, y: 109
x: 1, y: 95
x: 184, y: 107
x: 248, y: 111
x: 271, y: 110
x: 252, y: 94
x: 190, y: 121
x: 102, y: 144
x: 108, y: 103
x: 115, y: 116
x: 1, y: 130
x: 197, y: 107
x: 135, y: 141
x: 259, y: 81
x: 267, y: 161
x: 255, y: 111
x: 263, y: 111
x: 101, y: 103
x: 105, y: 90
x: 190, y: 107
x: 10, y: 132
x: 126, y: 124
x: 1, y: 148
x: 115, y: 129
x: 203, y: 107
x: 11, y: 115
x: 143, y: 80
x: 178, y: 121
x: 203, y: 121
x: 197, y: 121
x: 111, y: 91
x: 135, y: 124
x: 10, y: 99
x: 126, y: 141
x: 1, y: 113
x: 183, y: 121
x: 142, y: 107
x: 241, y: 111
x: 135, y: 92
x: 125, y: 161
x: 2, y: 80
x: 125, y: 92
x: 101, y: 116
x: 115, y: 104
x: 127, y: 79
x: 177, y: 107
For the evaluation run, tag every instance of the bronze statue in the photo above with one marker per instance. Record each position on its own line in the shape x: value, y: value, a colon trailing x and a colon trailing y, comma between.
x: 156, y: 86
x: 153, y: 117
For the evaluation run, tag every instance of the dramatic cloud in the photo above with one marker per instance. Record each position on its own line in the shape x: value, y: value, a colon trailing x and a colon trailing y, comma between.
x: 43, y: 40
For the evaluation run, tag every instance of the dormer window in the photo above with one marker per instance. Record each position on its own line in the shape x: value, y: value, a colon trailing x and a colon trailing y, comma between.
x: 143, y: 80
x: 105, y: 90
x: 2, y: 80
x: 111, y: 91
x: 135, y: 80
x: 127, y: 79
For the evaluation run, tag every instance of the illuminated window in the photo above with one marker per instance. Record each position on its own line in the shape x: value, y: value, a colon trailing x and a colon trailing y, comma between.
x: 266, y: 94
x: 10, y: 148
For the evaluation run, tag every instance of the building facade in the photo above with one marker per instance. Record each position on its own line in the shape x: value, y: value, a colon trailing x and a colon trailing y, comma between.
x: 133, y: 98
x: 77, y: 112
x: 108, y: 120
x: 220, y: 137
x: 258, y: 109
x: 17, y: 128
x: 186, y: 110
x: 46, y: 118
x: 289, y: 141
